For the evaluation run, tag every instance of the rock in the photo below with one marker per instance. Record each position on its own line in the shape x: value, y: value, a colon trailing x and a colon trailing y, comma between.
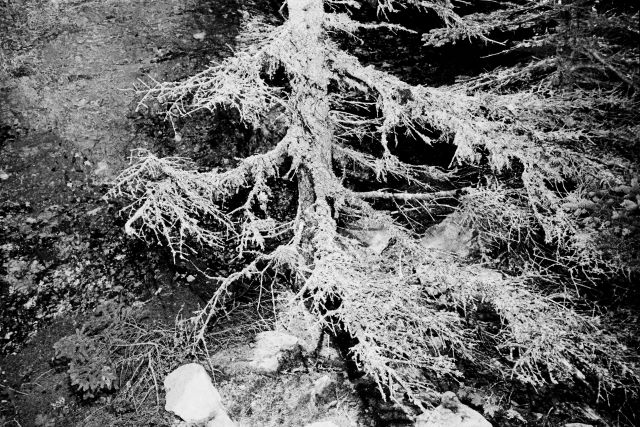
x: 102, y: 169
x: 448, y: 236
x: 3, y: 175
x: 191, y: 395
x: 577, y: 425
x: 376, y: 238
x: 322, y: 424
x: 451, y: 413
x: 324, y: 389
x: 629, y: 206
x: 270, y: 350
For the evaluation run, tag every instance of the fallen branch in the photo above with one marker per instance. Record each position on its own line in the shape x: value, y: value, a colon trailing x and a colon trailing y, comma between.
x: 409, y: 196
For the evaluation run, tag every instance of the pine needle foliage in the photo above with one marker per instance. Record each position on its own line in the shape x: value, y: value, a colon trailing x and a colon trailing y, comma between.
x: 407, y: 308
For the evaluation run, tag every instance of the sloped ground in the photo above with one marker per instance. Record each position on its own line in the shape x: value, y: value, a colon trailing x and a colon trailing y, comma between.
x: 68, y: 71
x: 67, y: 123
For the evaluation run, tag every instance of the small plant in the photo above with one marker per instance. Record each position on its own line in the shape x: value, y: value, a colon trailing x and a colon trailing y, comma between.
x: 88, y: 367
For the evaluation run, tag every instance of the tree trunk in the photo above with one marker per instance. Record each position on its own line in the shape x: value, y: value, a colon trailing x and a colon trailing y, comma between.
x: 312, y: 124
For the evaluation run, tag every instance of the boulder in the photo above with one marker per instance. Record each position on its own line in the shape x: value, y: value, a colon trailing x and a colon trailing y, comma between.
x: 271, y: 350
x: 191, y: 395
x: 451, y: 413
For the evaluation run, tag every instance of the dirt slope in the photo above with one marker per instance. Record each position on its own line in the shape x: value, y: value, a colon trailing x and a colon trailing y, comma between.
x: 67, y: 73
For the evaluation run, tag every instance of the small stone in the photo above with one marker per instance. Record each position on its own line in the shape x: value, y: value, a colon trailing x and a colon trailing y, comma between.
x: 200, y: 36
x: 102, y: 169
x: 3, y: 175
x: 270, y: 350
x: 451, y: 413
x: 449, y: 236
x: 191, y: 395
x: 324, y: 389
x: 375, y: 239
x: 190, y: 278
x: 629, y: 206
x: 322, y: 424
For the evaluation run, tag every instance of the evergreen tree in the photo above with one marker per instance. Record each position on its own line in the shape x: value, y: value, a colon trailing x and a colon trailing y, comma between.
x: 551, y: 142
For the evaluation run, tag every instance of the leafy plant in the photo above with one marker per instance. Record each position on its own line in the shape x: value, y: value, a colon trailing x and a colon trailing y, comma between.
x: 88, y: 367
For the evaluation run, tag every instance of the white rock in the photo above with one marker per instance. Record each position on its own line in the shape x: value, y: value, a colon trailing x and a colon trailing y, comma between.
x: 270, y: 349
x: 191, y: 395
x: 451, y: 413
x: 448, y: 236
x: 375, y: 238
x: 629, y: 205
x: 102, y: 169
x: 324, y: 389
x: 322, y: 424
x: 577, y: 425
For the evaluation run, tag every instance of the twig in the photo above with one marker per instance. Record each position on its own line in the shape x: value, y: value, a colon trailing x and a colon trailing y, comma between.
x: 14, y: 390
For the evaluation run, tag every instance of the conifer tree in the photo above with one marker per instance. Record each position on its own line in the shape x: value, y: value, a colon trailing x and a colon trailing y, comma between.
x: 540, y: 196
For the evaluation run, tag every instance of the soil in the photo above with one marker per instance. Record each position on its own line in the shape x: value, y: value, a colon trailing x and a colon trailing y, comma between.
x: 68, y: 73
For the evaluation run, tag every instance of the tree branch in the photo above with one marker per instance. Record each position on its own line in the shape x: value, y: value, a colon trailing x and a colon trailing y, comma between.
x: 410, y: 196
x: 611, y: 68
